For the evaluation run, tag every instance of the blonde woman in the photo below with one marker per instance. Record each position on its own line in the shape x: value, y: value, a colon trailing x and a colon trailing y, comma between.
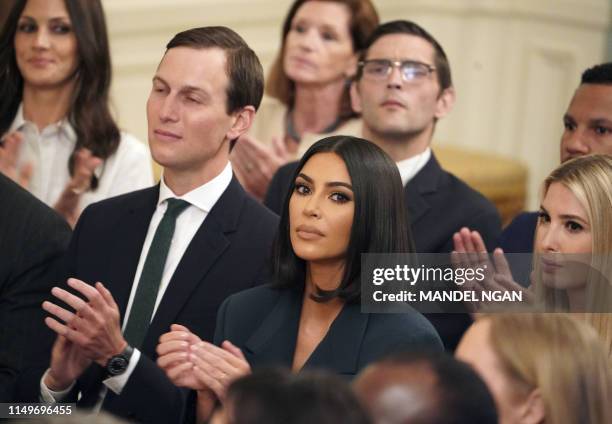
x: 541, y: 368
x: 573, y: 243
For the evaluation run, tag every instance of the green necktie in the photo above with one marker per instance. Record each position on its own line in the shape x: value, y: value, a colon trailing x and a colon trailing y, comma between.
x: 148, y: 285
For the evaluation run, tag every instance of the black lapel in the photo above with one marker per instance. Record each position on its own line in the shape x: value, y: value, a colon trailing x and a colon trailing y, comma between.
x: 276, y: 337
x: 417, y: 189
x: 125, y: 254
x: 340, y: 348
x: 208, y: 244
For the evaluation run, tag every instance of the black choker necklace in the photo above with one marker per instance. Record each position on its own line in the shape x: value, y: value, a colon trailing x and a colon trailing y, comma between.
x: 292, y: 133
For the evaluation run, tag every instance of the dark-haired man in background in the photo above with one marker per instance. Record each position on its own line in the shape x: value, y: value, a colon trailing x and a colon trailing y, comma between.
x: 169, y: 254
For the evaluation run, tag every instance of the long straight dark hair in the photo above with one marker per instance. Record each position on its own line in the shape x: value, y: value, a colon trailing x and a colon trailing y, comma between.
x: 380, y: 222
x: 89, y: 112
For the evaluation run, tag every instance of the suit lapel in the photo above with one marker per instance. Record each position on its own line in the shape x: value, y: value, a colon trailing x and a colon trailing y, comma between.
x: 276, y: 337
x: 126, y: 252
x: 208, y: 244
x: 340, y: 348
x: 419, y: 187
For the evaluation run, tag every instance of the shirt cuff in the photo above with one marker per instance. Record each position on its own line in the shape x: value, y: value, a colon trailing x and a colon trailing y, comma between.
x: 48, y: 395
x: 118, y: 382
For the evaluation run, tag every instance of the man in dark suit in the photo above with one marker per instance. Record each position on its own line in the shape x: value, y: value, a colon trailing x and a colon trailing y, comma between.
x: 168, y: 254
x: 588, y: 130
x: 32, y: 240
x: 402, y: 88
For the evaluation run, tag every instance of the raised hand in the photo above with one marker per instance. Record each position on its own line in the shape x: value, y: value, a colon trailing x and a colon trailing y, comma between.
x: 85, y: 163
x: 94, y: 326
x: 67, y: 364
x: 173, y: 357
x: 9, y: 153
x: 255, y: 164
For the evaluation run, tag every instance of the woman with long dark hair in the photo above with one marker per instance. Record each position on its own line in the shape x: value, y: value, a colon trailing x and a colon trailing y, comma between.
x: 59, y: 139
x: 346, y: 200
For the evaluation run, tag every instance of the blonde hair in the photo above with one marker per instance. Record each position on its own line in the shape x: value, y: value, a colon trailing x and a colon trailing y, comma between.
x: 589, y: 178
x: 562, y: 357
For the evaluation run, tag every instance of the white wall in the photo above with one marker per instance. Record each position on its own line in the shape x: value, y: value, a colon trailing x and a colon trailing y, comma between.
x: 515, y: 62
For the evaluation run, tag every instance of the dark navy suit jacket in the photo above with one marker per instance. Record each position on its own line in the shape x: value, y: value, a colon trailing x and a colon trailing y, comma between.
x: 228, y: 254
x: 264, y: 322
x: 518, y: 237
x: 32, y: 239
x: 439, y: 204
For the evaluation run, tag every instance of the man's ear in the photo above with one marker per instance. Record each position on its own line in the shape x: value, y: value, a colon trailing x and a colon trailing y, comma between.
x: 355, y: 97
x: 445, y: 102
x: 242, y: 122
x: 533, y: 409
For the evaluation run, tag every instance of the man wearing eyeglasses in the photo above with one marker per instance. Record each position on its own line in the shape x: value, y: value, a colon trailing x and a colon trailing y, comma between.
x: 403, y: 86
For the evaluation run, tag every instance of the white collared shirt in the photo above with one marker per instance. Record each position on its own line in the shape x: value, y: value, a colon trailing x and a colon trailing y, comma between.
x: 408, y: 168
x: 49, y: 150
x: 201, y: 200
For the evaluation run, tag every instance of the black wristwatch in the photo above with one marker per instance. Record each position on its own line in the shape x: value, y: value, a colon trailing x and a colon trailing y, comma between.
x: 117, y: 364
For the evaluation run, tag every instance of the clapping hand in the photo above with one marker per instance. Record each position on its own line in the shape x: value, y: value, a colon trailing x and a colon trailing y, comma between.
x: 9, y: 154
x: 255, y: 163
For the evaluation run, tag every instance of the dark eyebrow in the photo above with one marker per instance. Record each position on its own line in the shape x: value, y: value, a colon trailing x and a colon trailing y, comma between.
x: 599, y: 122
x: 566, y: 216
x: 54, y: 19
x: 568, y: 117
x: 184, y: 89
x: 329, y: 184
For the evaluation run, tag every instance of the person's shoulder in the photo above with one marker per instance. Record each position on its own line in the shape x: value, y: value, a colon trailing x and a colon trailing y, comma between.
x: 259, y: 298
x: 391, y: 332
x: 124, y: 201
x: 469, y: 197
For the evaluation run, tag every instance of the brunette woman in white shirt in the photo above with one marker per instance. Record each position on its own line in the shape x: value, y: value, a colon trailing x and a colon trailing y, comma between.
x: 59, y: 138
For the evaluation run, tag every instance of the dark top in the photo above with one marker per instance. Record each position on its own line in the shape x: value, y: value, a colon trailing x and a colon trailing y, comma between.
x: 264, y: 322
x: 32, y: 239
x: 228, y: 253
x: 518, y: 236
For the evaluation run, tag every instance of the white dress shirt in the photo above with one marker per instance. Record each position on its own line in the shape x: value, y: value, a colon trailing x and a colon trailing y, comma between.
x: 49, y: 150
x: 201, y: 200
x: 408, y: 168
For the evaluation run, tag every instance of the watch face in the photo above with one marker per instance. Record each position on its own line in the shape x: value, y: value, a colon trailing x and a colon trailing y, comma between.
x: 117, y: 365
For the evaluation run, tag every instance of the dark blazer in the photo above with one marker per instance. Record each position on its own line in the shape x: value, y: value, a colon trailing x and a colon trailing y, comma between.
x: 519, y: 235
x: 439, y: 204
x: 264, y: 322
x: 228, y: 254
x: 32, y: 239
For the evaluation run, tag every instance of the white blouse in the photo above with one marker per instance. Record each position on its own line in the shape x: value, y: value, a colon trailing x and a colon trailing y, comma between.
x: 128, y: 169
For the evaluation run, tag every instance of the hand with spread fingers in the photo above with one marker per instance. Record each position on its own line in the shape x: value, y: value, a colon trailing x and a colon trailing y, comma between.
x: 255, y: 164
x: 9, y: 154
x: 470, y: 252
x: 93, y: 327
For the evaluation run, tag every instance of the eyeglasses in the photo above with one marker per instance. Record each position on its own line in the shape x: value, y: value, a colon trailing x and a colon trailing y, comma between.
x: 380, y: 69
